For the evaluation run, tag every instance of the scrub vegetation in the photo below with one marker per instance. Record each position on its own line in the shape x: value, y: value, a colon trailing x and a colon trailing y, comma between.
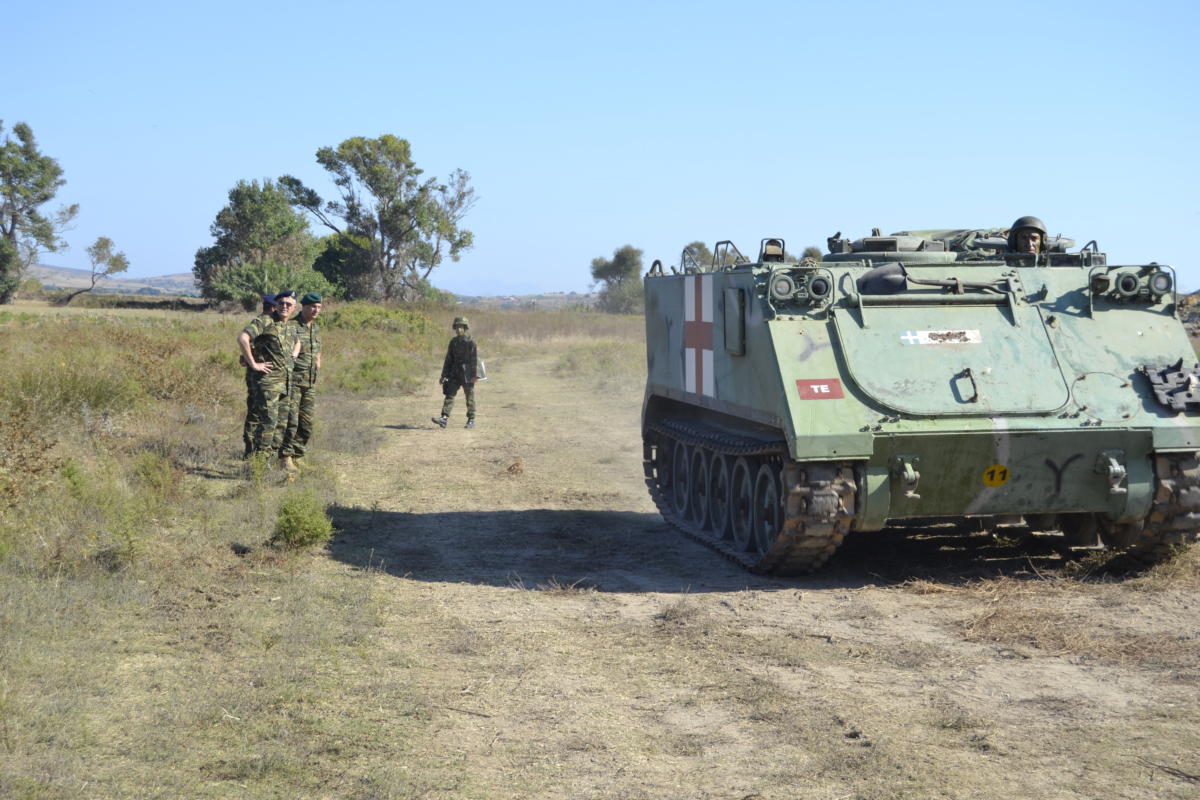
x: 500, y: 613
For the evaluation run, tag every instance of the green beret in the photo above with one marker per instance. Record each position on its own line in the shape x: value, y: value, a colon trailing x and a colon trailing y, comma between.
x: 310, y: 298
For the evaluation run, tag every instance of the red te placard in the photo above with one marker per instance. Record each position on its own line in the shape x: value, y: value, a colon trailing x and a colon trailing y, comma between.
x: 820, y: 389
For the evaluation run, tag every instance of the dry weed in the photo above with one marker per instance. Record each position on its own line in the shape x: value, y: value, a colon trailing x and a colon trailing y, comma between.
x: 1021, y: 616
x: 1179, y: 572
x: 555, y: 586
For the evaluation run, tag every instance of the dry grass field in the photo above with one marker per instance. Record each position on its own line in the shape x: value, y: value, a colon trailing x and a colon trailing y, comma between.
x: 502, y: 614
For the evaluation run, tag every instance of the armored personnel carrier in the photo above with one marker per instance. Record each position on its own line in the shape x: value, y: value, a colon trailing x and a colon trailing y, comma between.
x: 917, y: 378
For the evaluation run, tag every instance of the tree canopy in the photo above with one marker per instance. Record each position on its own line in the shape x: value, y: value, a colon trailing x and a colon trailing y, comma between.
x: 621, y: 292
x: 105, y: 262
x: 700, y: 254
x: 28, y: 180
x: 403, y: 227
x: 261, y: 245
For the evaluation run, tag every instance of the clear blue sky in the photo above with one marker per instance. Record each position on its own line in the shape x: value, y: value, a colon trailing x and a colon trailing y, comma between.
x: 593, y: 125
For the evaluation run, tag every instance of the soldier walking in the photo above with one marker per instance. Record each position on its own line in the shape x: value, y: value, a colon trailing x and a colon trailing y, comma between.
x: 459, y: 369
x: 268, y: 351
x: 302, y: 395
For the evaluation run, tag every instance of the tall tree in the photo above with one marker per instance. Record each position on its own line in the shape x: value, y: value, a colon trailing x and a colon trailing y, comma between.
x: 699, y: 253
x: 406, y: 226
x: 105, y: 262
x: 620, y: 275
x: 28, y: 180
x: 345, y: 261
x: 262, y: 244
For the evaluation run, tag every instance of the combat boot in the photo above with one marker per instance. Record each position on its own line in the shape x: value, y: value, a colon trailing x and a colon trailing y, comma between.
x: 287, y: 464
x: 439, y: 421
x: 470, y: 423
x: 299, y: 462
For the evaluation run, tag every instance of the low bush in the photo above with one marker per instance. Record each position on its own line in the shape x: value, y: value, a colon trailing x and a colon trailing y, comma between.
x: 301, y: 521
x: 361, y: 316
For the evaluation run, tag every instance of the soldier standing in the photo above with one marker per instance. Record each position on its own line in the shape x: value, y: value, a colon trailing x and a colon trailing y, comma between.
x: 253, y: 329
x: 302, y: 396
x: 459, y: 369
x: 268, y: 354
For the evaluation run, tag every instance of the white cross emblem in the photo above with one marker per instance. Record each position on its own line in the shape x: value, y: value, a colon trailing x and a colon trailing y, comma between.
x: 910, y: 337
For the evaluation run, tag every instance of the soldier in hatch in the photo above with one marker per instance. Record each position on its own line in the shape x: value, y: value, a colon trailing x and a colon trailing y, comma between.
x: 459, y: 369
x: 1027, y: 235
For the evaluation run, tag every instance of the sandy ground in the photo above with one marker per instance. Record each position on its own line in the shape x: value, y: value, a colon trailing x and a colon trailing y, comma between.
x: 561, y: 641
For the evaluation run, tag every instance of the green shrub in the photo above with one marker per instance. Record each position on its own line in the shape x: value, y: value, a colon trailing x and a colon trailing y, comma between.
x: 157, y: 476
x: 301, y: 521
x: 376, y: 372
x: 360, y: 316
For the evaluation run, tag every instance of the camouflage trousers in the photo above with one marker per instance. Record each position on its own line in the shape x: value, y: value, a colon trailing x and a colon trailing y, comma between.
x: 297, y: 424
x: 449, y: 389
x: 248, y: 425
x: 269, y: 401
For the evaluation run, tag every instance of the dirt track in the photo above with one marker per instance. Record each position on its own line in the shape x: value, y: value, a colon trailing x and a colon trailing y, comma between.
x: 561, y: 641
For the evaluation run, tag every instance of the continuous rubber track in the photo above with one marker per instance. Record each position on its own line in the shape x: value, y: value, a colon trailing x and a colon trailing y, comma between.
x: 1175, y: 516
x: 816, y: 500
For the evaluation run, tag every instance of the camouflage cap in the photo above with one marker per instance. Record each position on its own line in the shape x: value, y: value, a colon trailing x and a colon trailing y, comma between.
x: 460, y: 322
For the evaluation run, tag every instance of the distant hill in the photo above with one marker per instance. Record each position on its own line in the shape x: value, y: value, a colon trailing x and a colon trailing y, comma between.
x: 182, y: 284
x: 548, y: 300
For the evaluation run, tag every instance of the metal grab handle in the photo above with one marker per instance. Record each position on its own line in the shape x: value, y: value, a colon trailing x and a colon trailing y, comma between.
x: 969, y: 375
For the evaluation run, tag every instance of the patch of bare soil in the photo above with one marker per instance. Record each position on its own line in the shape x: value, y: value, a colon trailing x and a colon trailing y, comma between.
x: 559, y: 640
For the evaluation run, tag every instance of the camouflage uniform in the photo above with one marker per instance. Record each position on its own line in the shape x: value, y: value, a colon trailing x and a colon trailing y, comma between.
x: 253, y: 330
x: 302, y: 396
x: 274, y: 344
x: 459, y: 370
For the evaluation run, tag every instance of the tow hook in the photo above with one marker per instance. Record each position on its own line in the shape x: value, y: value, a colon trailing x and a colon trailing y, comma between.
x: 1108, y: 463
x: 905, y: 468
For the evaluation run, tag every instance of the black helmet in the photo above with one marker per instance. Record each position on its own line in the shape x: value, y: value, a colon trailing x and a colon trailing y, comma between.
x: 1026, y: 223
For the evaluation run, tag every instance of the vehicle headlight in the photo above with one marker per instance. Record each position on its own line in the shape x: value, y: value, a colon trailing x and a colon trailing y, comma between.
x: 783, y: 287
x: 1161, y: 283
x: 818, y: 288
x: 1127, y: 284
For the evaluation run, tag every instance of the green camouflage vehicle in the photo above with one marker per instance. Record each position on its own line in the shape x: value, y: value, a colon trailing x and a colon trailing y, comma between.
x: 920, y: 378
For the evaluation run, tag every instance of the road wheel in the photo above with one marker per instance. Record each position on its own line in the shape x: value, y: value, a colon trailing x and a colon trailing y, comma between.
x: 741, y: 504
x: 768, y: 510
x: 681, y: 479
x: 718, y: 495
x: 698, y: 497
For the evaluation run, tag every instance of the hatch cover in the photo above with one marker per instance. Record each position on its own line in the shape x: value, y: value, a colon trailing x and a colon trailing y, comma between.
x: 953, y: 360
